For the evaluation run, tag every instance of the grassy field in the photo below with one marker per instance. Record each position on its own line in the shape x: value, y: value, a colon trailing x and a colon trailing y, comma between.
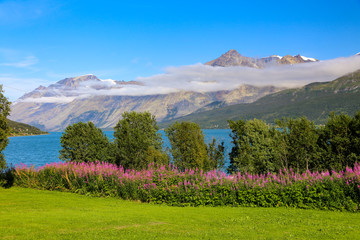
x: 35, y: 214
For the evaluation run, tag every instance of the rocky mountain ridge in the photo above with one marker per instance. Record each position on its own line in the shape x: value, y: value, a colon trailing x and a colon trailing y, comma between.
x: 233, y: 58
x: 73, y: 86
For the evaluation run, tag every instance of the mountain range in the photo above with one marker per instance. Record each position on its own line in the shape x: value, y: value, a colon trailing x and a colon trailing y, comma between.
x: 88, y: 98
x: 36, y: 108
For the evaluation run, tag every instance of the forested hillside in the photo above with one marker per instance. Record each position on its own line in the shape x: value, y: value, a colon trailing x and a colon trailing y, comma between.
x: 22, y: 129
x: 315, y: 101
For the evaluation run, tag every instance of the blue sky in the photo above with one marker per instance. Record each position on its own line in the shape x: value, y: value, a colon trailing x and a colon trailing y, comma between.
x: 43, y: 41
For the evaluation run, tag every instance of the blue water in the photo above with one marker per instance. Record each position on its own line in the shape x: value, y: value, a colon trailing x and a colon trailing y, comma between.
x: 42, y: 149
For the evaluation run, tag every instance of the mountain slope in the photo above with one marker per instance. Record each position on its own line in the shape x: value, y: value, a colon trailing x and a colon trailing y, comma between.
x: 105, y: 111
x: 314, y: 101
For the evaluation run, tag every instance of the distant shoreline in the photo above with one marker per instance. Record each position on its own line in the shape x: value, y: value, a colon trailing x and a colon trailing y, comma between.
x: 28, y: 135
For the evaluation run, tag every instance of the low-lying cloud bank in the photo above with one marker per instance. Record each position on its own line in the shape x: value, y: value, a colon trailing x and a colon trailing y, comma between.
x: 206, y: 78
x: 203, y: 78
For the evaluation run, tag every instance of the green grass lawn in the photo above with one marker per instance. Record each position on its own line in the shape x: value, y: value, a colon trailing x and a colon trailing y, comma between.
x: 35, y: 214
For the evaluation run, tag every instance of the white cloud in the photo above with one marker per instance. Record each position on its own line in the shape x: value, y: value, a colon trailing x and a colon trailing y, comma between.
x: 203, y: 78
x: 27, y: 62
x: 58, y: 99
x: 127, y: 90
x: 17, y: 59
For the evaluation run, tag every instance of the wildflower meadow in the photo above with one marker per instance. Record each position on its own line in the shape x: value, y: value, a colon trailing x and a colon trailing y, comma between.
x: 165, y: 184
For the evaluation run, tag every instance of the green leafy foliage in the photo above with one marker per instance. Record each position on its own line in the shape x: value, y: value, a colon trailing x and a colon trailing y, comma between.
x: 4, y: 128
x: 302, y: 136
x: 336, y: 141
x: 253, y: 147
x: 216, y: 155
x: 156, y: 156
x: 84, y: 142
x: 137, y: 141
x: 281, y: 151
x: 295, y: 143
x: 355, y: 134
x: 188, y: 146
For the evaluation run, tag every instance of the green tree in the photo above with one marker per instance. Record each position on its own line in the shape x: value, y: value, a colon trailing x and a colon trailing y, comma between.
x: 355, y: 135
x: 4, y: 128
x: 302, y: 140
x: 188, y: 146
x: 216, y: 155
x: 138, y: 141
x: 155, y: 156
x: 281, y: 145
x: 339, y: 140
x: 335, y: 140
x: 237, y: 131
x: 84, y: 142
x: 253, y: 147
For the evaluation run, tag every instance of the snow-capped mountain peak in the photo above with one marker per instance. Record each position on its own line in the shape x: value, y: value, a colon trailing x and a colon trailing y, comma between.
x: 308, y: 59
x: 276, y: 56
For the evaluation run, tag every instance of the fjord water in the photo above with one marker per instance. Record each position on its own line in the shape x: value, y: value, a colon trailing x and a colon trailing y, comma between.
x: 42, y: 149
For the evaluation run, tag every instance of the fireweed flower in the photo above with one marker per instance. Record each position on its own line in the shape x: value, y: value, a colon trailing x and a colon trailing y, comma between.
x: 167, y: 182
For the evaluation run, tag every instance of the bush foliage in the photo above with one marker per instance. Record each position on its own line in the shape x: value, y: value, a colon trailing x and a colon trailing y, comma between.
x: 164, y: 184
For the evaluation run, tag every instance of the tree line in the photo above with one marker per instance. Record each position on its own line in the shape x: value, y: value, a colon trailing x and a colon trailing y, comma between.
x: 257, y: 146
x: 295, y: 143
x: 137, y: 143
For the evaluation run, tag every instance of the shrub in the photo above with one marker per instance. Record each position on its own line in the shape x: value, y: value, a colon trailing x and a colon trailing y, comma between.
x: 7, y: 177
